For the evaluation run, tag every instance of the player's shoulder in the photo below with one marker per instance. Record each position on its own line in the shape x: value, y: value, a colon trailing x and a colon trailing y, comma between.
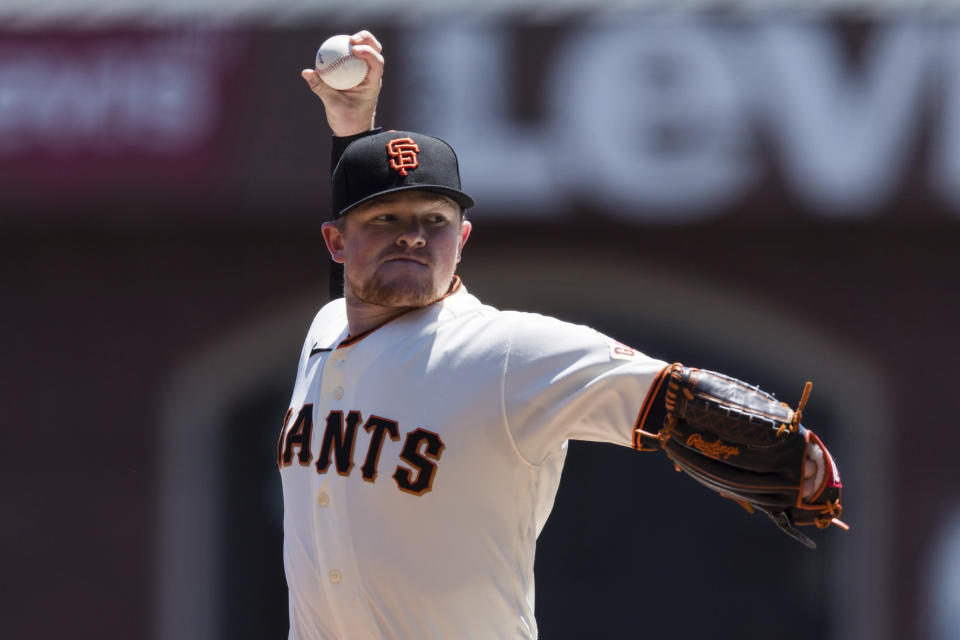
x: 466, y: 306
x: 521, y: 326
x: 535, y: 336
x: 463, y: 307
x: 471, y: 324
x: 535, y: 328
x: 329, y: 323
x: 526, y: 334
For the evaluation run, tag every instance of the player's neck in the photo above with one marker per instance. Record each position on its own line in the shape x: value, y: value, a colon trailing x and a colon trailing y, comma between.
x: 364, y: 315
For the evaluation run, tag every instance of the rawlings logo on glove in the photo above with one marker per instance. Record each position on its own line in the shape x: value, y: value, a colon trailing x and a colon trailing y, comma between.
x: 713, y: 449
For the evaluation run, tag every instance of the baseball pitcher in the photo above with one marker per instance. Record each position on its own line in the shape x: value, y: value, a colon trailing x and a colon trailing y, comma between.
x: 423, y: 445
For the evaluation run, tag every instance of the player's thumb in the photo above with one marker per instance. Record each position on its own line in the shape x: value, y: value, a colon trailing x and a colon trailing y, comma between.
x: 313, y: 80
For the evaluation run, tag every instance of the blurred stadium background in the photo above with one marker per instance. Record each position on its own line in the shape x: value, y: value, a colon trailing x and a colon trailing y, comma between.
x: 765, y: 188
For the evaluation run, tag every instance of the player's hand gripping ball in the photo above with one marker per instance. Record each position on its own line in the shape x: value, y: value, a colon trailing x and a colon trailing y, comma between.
x: 337, y: 66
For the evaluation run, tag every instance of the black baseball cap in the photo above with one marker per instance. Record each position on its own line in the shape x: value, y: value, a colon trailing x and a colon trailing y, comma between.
x: 392, y: 161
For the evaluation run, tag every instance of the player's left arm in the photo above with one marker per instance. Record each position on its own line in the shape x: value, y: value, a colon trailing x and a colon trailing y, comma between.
x: 564, y: 382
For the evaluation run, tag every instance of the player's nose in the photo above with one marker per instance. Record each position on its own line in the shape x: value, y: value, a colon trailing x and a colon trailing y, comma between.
x: 412, y: 235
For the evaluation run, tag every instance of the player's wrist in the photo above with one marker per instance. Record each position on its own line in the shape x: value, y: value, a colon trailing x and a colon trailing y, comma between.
x: 341, y: 142
x: 343, y: 127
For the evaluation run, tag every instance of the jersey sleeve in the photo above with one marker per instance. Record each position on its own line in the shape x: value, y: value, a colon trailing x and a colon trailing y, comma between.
x: 564, y: 381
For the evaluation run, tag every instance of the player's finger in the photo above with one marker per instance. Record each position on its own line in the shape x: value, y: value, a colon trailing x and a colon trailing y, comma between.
x: 813, y: 469
x: 375, y: 64
x: 368, y: 53
x: 365, y: 37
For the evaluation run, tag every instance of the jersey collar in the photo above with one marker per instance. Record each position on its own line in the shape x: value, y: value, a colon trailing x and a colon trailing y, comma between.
x: 455, y: 286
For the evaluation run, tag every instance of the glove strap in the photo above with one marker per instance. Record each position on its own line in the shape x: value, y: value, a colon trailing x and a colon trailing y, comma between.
x: 785, y: 522
x: 649, y: 432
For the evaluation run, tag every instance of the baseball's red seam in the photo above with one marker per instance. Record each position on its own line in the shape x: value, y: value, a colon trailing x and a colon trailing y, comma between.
x: 333, y: 65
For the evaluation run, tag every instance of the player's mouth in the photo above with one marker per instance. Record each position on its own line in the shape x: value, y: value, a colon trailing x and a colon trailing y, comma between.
x: 407, y: 260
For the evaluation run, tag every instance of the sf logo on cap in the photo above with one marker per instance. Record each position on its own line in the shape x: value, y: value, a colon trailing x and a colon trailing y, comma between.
x: 403, y: 154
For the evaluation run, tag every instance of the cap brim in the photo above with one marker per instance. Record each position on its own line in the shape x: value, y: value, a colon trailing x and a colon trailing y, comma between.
x: 462, y: 199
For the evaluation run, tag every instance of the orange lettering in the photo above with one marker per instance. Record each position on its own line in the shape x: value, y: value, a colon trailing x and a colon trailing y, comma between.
x: 716, y: 449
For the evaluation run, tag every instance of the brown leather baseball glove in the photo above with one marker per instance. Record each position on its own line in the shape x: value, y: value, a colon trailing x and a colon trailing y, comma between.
x: 744, y: 444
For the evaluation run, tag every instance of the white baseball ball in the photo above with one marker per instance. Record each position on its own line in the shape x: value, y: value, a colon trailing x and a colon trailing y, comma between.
x: 337, y: 65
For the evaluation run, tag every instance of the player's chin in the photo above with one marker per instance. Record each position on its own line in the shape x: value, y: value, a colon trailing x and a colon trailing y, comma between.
x: 403, y: 289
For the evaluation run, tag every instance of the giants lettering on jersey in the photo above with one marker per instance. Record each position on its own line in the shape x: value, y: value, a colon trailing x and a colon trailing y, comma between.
x: 421, y: 448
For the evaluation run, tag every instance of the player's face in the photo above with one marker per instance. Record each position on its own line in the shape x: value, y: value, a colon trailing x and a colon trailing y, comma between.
x: 400, y: 250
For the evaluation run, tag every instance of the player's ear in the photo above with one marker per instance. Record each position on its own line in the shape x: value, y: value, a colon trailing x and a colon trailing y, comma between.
x: 333, y: 237
x: 465, y: 228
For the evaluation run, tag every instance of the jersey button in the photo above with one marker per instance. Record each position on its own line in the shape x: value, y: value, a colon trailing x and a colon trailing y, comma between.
x: 323, y: 499
x: 338, y: 362
x: 338, y: 393
x: 335, y: 576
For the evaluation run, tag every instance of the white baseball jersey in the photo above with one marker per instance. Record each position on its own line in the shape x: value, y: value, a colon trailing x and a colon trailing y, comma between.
x: 420, y: 461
